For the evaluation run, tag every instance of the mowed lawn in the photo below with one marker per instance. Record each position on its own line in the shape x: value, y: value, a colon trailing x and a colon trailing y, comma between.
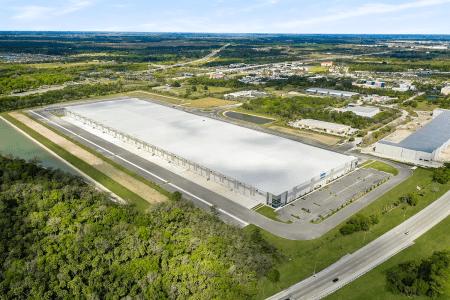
x: 209, y: 102
x: 332, y: 246
x: 381, y: 166
x: 270, y: 213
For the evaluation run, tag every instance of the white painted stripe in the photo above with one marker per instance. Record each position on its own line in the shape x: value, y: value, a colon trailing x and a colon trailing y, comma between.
x: 206, y: 202
x: 192, y: 195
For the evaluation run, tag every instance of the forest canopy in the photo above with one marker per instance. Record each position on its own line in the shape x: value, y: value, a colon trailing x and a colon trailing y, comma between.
x: 61, y: 238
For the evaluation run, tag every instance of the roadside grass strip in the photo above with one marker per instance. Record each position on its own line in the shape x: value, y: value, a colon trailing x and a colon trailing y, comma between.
x: 106, y: 159
x: 140, y: 203
x: 332, y: 246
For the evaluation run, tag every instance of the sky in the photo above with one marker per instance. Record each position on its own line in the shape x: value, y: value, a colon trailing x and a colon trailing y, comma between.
x: 229, y: 16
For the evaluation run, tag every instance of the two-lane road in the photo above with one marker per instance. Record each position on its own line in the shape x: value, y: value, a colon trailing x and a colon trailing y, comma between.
x: 371, y: 255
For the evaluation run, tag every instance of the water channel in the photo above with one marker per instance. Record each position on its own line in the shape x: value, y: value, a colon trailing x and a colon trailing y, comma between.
x: 248, y: 118
x: 14, y: 142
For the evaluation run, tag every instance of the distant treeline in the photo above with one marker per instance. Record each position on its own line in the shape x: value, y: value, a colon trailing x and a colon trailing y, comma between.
x: 72, y: 92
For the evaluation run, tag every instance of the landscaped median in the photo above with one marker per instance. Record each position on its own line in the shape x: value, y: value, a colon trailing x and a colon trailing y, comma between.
x: 381, y: 166
x: 118, y: 182
x: 332, y: 246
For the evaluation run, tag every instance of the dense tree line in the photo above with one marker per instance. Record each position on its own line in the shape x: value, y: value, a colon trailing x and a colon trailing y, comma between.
x: 61, y: 238
x: 71, y: 92
x: 421, y: 276
x: 314, y: 108
x: 202, y: 80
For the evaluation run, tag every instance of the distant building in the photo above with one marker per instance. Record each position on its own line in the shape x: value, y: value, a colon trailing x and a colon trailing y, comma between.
x: 329, y: 92
x: 426, y: 143
x: 363, y: 111
x: 378, y: 84
x: 321, y: 125
x: 326, y: 64
x: 405, y: 87
x: 445, y: 90
x: 246, y: 94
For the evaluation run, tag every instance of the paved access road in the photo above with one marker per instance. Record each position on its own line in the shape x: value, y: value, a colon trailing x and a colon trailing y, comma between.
x: 204, y: 198
x: 371, y: 255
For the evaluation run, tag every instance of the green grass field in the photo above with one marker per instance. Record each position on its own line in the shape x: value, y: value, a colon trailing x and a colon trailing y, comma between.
x: 365, y: 163
x: 381, y: 166
x: 270, y: 213
x: 332, y: 246
x: 372, y: 286
x: 111, y: 162
x: 113, y: 186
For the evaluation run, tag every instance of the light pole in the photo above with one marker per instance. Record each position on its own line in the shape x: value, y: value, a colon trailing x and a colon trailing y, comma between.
x: 315, y: 267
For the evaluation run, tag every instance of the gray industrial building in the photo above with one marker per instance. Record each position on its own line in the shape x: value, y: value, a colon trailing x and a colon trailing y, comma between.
x: 331, y: 92
x: 424, y: 144
x: 265, y: 167
x: 362, y: 111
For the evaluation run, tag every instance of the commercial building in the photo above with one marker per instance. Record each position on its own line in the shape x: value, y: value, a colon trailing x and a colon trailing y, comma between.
x: 265, y: 167
x: 331, y: 92
x: 363, y: 111
x: 321, y: 125
x: 425, y: 143
x: 375, y: 84
x: 326, y: 64
x: 246, y: 94
x: 405, y: 88
x: 445, y: 90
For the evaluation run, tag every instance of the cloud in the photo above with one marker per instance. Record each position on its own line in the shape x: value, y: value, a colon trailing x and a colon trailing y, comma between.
x: 122, y: 5
x: 32, y: 12
x: 367, y: 9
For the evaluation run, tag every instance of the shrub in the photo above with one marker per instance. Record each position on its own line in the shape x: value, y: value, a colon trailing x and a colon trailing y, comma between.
x: 273, y: 275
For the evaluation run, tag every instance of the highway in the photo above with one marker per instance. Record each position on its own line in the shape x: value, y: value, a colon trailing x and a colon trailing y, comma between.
x: 192, y: 62
x: 369, y: 256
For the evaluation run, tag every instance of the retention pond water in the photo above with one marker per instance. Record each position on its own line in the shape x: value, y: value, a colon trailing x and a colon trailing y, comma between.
x: 14, y: 142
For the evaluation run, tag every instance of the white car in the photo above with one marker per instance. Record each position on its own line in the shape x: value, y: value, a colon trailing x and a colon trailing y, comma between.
x: 408, y: 232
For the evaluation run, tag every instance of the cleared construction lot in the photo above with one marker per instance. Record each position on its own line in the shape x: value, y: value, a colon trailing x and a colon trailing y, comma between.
x: 339, y: 193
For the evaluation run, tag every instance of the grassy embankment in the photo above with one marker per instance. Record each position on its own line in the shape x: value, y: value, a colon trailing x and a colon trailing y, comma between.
x: 333, y: 245
x: 381, y: 166
x: 109, y: 161
x: 372, y: 286
x: 101, y: 178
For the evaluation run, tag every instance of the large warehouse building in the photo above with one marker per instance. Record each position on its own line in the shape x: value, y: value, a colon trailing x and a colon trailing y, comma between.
x: 424, y: 144
x: 268, y: 168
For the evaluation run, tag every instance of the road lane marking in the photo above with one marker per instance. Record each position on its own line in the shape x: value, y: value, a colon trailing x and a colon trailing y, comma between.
x: 140, y: 168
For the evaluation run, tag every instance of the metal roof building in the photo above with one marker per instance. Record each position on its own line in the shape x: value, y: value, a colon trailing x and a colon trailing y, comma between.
x: 363, y: 111
x: 424, y: 144
x: 269, y: 168
x: 327, y: 126
x: 331, y: 92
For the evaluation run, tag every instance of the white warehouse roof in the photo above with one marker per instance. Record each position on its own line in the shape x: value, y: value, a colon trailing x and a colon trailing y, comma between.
x: 264, y: 161
x: 323, y: 124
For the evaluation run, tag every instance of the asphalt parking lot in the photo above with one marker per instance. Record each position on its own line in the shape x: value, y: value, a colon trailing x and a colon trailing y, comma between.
x: 322, y: 202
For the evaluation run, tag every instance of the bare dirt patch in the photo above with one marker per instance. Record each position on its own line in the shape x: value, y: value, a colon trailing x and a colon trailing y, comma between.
x: 406, y: 130
x: 115, y: 174
x: 325, y: 139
